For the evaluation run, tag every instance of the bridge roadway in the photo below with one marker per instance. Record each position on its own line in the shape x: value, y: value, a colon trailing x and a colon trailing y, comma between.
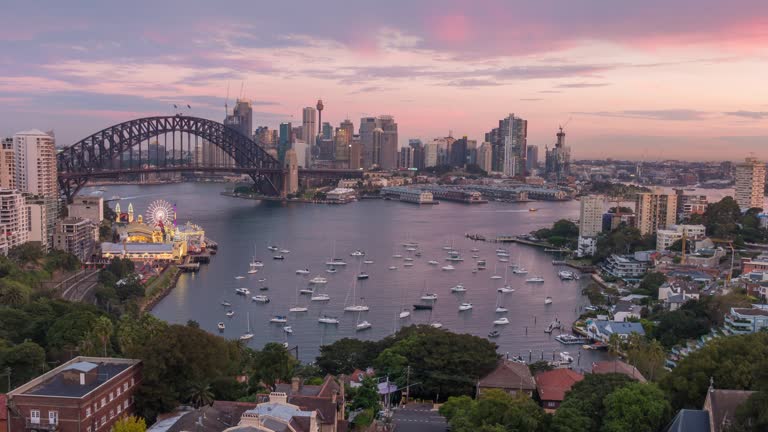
x: 303, y: 172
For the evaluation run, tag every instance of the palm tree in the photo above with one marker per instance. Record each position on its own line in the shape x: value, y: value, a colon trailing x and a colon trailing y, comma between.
x: 12, y: 295
x: 200, y: 394
x: 614, y: 344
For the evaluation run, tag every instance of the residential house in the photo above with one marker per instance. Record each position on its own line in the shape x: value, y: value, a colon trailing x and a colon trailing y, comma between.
x: 625, y: 310
x: 277, y: 415
x: 602, y: 330
x: 510, y: 377
x: 746, y: 320
x: 617, y: 366
x: 628, y: 267
x: 355, y: 379
x: 209, y: 418
x: 756, y: 264
x: 327, y: 399
x: 553, y: 385
x: 3, y: 414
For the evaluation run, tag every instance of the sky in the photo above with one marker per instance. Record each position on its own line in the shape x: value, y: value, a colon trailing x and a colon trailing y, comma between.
x: 652, y: 79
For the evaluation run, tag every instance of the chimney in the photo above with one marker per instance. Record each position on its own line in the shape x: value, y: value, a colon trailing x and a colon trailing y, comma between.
x: 295, y: 384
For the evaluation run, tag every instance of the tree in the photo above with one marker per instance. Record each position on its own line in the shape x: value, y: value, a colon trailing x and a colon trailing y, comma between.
x: 345, y: 355
x: 583, y: 409
x: 390, y: 363
x: 494, y: 411
x: 200, y: 394
x: 130, y: 424
x: 133, y: 332
x: 26, y: 253
x: 13, y: 293
x: 647, y: 356
x: 690, y: 321
x: 69, y: 330
x: 721, y: 218
x: 651, y: 283
x: 636, y: 407
x: 752, y: 416
x: 26, y: 360
x: 366, y: 396
x: 273, y: 363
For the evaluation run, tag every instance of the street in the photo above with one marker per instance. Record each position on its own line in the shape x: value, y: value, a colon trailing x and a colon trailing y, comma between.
x: 418, y: 418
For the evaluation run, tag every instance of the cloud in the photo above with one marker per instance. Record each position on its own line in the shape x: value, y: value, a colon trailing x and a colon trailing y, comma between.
x: 531, y: 99
x: 664, y: 114
x: 582, y: 85
x: 473, y: 82
x: 755, y: 115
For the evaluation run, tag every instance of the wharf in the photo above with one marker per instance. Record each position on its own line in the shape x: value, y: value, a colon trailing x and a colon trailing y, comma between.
x: 189, y: 267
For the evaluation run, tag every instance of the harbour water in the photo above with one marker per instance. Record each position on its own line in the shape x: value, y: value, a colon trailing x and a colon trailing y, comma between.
x: 312, y: 233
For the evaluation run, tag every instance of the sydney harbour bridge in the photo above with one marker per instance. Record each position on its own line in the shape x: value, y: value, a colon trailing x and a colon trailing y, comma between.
x: 127, y: 148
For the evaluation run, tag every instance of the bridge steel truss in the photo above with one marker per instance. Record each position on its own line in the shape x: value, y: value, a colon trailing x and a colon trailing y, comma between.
x: 103, y: 154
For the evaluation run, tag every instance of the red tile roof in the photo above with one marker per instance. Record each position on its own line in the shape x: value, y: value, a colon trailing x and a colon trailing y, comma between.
x: 554, y: 384
x: 509, y: 375
x: 617, y: 366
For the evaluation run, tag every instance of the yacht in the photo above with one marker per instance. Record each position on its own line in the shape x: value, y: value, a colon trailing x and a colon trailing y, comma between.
x: 397, y: 256
x: 465, y: 307
x: 458, y: 288
x: 436, y: 325
x: 298, y: 309
x: 501, y: 321
x: 325, y: 319
x: 230, y: 314
x: 239, y: 277
x: 272, y: 248
x: 405, y: 313
x: 221, y: 326
x: 320, y: 297
x: 429, y: 297
x: 278, y: 257
x: 408, y: 264
x: 357, y: 253
x: 407, y: 259
x: 318, y: 280
x: 264, y: 288
x: 242, y: 291
x: 284, y: 251
x: 260, y: 298
x: 410, y: 249
x: 496, y: 277
x: 501, y: 309
x: 481, y: 264
x: 535, y: 279
x: 449, y: 268
x: 368, y: 262
x: 226, y: 303
x: 263, y: 280
x: 331, y: 270
x: 336, y: 262
x: 502, y: 254
x: 302, y: 271
x: 362, y: 325
x: 393, y: 267
x: 422, y: 306
x: 288, y: 329
x: 548, y: 300
x: 362, y: 276
x: 501, y: 250
x: 503, y: 260
x: 447, y: 248
x: 494, y: 334
x: 253, y: 269
x: 248, y: 335
x: 474, y: 250
x: 357, y: 308
x: 506, y: 289
x: 454, y: 259
x: 306, y: 291
x: 432, y: 262
x: 566, y: 275
x: 475, y: 256
x: 519, y: 270
x: 279, y: 319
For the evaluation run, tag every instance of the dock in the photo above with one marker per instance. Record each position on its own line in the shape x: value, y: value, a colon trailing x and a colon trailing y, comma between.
x: 190, y: 267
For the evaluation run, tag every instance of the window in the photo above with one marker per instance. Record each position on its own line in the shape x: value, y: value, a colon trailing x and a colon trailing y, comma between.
x: 95, y: 406
x: 111, y: 413
x: 103, y: 402
x: 118, y: 391
x: 125, y: 404
x: 88, y: 429
x: 34, y: 416
x: 125, y: 386
x: 119, y: 409
x: 103, y: 420
x: 53, y: 417
x: 131, y: 382
x: 111, y: 396
x: 88, y: 411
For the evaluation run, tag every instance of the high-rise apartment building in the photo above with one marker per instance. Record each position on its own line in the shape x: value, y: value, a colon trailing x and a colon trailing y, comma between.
x: 590, y: 223
x: 7, y: 164
x: 241, y: 118
x: 485, y: 157
x: 532, y: 158
x: 508, y: 142
x: 750, y: 183
x: 655, y: 211
x: 458, y: 152
x: 75, y: 235
x: 14, y: 218
x: 405, y: 158
x: 35, y: 154
x: 418, y: 153
x: 309, y: 126
x: 367, y: 126
x: 39, y: 220
x: 380, y: 150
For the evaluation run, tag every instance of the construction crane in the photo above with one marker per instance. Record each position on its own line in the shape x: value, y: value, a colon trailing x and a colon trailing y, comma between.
x: 562, y: 126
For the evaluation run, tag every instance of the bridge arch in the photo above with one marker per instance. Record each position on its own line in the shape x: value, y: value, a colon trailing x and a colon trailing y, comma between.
x: 98, y: 154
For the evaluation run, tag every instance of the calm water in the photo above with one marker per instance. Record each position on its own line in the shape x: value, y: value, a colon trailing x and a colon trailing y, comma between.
x: 312, y: 232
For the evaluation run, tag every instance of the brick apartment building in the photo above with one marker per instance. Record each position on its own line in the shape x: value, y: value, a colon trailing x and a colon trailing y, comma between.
x: 86, y: 394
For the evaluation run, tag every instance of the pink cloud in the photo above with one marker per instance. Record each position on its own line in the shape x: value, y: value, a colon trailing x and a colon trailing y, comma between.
x: 452, y: 29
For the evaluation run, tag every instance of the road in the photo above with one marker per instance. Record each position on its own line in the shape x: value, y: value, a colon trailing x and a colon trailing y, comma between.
x: 418, y: 418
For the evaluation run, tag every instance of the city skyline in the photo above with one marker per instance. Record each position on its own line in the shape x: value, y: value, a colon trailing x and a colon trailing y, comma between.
x: 637, y: 81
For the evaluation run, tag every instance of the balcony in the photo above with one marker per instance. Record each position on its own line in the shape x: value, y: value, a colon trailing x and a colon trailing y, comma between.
x: 41, y: 424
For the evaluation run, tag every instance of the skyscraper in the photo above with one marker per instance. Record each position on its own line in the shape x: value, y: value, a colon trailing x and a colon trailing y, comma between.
x: 241, y: 118
x: 285, y: 140
x: 327, y: 131
x: 590, y: 223
x: 655, y: 211
x: 35, y: 154
x: 355, y: 153
x: 558, y: 160
x: 458, y: 152
x: 485, y: 157
x: 309, y: 126
x: 508, y: 142
x: 367, y: 125
x: 7, y: 164
x: 341, y: 145
x: 388, y: 157
x: 750, y: 183
x: 417, y: 153
x: 532, y: 158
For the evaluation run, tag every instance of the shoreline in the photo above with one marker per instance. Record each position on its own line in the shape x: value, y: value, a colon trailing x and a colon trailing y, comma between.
x: 150, y: 303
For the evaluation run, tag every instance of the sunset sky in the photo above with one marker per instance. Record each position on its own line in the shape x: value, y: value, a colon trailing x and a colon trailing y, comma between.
x: 649, y: 79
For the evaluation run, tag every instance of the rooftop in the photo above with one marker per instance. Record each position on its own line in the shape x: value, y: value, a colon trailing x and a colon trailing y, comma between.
x: 617, y: 366
x: 723, y: 404
x: 118, y: 248
x: 752, y: 312
x: 554, y: 384
x: 510, y: 375
x: 688, y: 420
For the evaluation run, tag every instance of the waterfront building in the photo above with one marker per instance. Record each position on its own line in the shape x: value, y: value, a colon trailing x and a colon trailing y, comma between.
x: 485, y: 157
x: 746, y: 320
x: 558, y: 160
x: 76, y: 236
x: 406, y: 194
x: 666, y: 237
x: 14, y: 218
x: 750, y: 183
x: 655, y: 211
x: 7, y: 164
x: 341, y: 195
x: 85, y: 394
x: 241, y: 118
x: 602, y: 330
x: 508, y: 144
x: 87, y: 207
x: 590, y: 223
x: 532, y: 158
x: 309, y: 126
x: 510, y: 377
x: 627, y: 267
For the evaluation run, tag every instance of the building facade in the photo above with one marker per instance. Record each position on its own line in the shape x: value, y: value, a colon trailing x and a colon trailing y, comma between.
x: 532, y: 158
x: 485, y: 157
x: 508, y: 142
x: 558, y: 160
x: 750, y: 183
x: 655, y: 211
x: 76, y: 236
x: 241, y: 118
x: 7, y: 164
x: 666, y: 237
x: 14, y: 218
x: 309, y: 126
x: 590, y: 223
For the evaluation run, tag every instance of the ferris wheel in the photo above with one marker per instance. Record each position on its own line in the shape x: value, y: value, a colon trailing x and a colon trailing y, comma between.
x: 160, y: 212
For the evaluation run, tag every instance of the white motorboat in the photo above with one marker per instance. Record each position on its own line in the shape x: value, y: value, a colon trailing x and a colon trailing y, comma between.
x: 230, y: 314
x: 566, y: 275
x: 503, y: 260
x: 535, y: 279
x: 325, y: 319
x: 465, y: 307
x: 519, y: 271
x: 548, y: 300
x: 298, y: 309
x: 260, y: 298
x: 405, y: 313
x: 436, y: 325
x: 368, y: 262
x: 263, y: 280
x: 410, y: 249
x: 363, y: 325
x: 429, y: 297
x: 318, y: 280
x: 407, y: 259
x: 506, y: 289
x: 458, y: 288
x: 320, y: 297
x: 501, y: 309
x: 302, y: 271
x: 226, y: 303
x: 362, y: 276
x: 279, y: 319
x: 284, y: 251
x: 432, y: 262
x: 393, y: 267
x: 336, y: 262
x: 257, y: 263
x: 474, y: 250
x: 239, y: 277
x: 331, y: 270
x: 357, y: 253
x: 248, y: 335
x: 288, y: 329
x: 221, y: 326
x: 449, y: 268
x: 566, y: 357
x: 242, y: 291
x: 454, y: 259
x: 278, y: 257
x: 397, y: 256
x: 408, y: 264
x: 501, y: 250
x: 306, y: 291
x: 447, y: 248
x: 272, y: 248
x: 253, y: 270
x: 356, y: 308
x: 475, y: 256
x: 496, y: 277
x: 501, y: 321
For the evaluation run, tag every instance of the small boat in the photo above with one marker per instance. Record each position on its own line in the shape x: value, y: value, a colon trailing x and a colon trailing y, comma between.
x: 331, y: 270
x: 284, y: 251
x: 566, y: 357
x: 272, y: 248
x: 408, y: 264
x: 568, y: 339
x: 519, y: 270
x: 458, y: 288
x: 558, y: 262
x: 447, y: 248
x: 501, y: 321
x: 260, y: 298
x: 506, y: 289
x: 239, y: 277
x: 408, y: 259
x: 393, y: 267
x: 226, y: 303
x: 264, y: 288
x: 418, y: 254
x: 397, y: 256
x: 336, y: 262
x: 475, y: 256
x: 500, y: 250
x: 436, y: 325
x: 278, y: 257
x: 298, y: 309
x: 501, y: 309
x: 318, y: 280
x: 455, y: 259
x: 325, y: 319
x: 494, y: 334
x: 422, y: 306
x: 535, y: 279
x: 474, y: 250
x: 502, y: 254
x: 449, y: 268
x: 465, y: 307
x: 248, y: 335
x: 368, y: 262
x: 230, y: 314
x: 362, y: 325
x: 320, y: 297
x: 503, y: 260
x: 533, y: 209
x: 263, y: 280
x: 481, y: 264
x: 548, y: 300
x: 279, y: 319
x: 432, y: 262
x: 242, y: 291
x: 357, y: 253
x: 306, y: 291
x: 362, y: 276
x: 410, y: 249
x: 288, y: 329
x: 302, y: 271
x: 496, y: 277
x: 357, y: 308
x: 221, y: 326
x: 405, y: 313
x: 429, y: 297
x: 566, y: 275
x: 253, y: 271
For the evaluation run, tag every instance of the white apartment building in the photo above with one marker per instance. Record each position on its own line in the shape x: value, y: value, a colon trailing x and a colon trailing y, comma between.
x: 13, y: 218
x: 750, y: 183
x: 591, y: 212
x: 35, y: 163
x: 665, y: 237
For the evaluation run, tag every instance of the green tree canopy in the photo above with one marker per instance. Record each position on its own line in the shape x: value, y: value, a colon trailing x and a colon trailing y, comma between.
x: 583, y: 409
x: 651, y: 283
x: 495, y: 411
x: 273, y: 363
x: 636, y: 407
x: 345, y: 355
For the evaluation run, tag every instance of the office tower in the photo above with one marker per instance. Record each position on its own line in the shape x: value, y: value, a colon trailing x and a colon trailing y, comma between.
x: 341, y: 146
x: 458, y: 152
x: 590, y: 223
x: 241, y: 118
x: 326, y: 149
x: 265, y: 137
x: 309, y: 127
x: 285, y: 140
x: 389, y: 145
x: 327, y: 131
x: 655, y: 211
x: 405, y: 158
x: 750, y: 183
x: 349, y: 128
x: 367, y: 125
x: 472, y: 152
x: 418, y: 153
x: 532, y: 158
x: 14, y: 219
x: 508, y: 142
x: 355, y: 153
x: 320, y: 107
x: 558, y: 160
x: 485, y: 157
x: 376, y: 137
x: 7, y: 164
x: 302, y: 153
